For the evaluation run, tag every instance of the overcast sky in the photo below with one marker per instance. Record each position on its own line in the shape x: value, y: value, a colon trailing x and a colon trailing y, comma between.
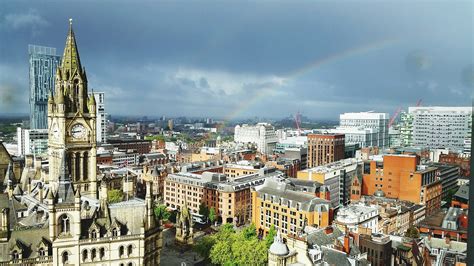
x: 239, y: 59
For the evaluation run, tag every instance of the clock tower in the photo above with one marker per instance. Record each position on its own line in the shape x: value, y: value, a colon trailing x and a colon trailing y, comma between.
x: 72, y: 123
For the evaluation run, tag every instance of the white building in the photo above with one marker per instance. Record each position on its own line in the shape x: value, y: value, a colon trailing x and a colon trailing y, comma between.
x: 32, y: 141
x: 101, y: 122
x: 262, y: 134
x: 365, y: 137
x: 355, y: 215
x: 357, y: 124
x: 441, y: 127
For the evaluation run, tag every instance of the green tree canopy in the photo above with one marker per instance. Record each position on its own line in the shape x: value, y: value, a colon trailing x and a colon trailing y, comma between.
x: 162, y: 213
x: 212, y: 215
x: 115, y: 195
x: 270, y: 236
x: 228, y: 247
x: 412, y: 232
x: 204, y: 210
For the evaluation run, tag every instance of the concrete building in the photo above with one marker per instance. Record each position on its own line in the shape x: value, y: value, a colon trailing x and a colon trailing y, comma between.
x: 101, y: 125
x: 337, y: 177
x: 378, y: 122
x: 452, y: 223
x: 439, y: 251
x: 43, y: 64
x: 276, y: 203
x: 364, y: 137
x: 324, y: 149
x: 262, y: 134
x: 32, y: 141
x: 378, y: 248
x: 441, y: 127
x: 358, y: 215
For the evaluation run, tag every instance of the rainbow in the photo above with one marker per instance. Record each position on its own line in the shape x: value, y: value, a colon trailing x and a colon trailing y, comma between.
x: 330, y: 59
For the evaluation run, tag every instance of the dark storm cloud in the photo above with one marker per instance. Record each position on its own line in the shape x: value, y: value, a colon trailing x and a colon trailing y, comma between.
x: 208, y: 58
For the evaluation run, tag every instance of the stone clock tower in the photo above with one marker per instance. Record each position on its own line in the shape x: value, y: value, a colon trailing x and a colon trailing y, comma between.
x: 72, y: 123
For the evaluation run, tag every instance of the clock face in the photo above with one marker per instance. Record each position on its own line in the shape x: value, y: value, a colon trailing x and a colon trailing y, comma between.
x: 78, y: 131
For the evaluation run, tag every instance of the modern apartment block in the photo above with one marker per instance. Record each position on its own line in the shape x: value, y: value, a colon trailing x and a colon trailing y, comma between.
x: 101, y: 123
x: 441, y: 127
x: 43, y: 64
x: 402, y: 177
x: 406, y: 129
x: 262, y: 134
x: 32, y: 141
x: 360, y: 122
x: 325, y: 148
x: 276, y: 203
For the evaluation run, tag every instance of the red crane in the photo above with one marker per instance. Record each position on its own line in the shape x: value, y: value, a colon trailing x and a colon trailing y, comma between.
x: 418, y: 103
x: 298, y: 122
x: 394, y: 116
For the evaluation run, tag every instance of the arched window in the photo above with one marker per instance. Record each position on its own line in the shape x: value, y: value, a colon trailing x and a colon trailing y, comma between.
x: 94, y: 234
x: 121, y: 251
x: 65, y: 224
x: 15, y: 255
x: 65, y: 257
x: 130, y: 264
x: 114, y: 232
x: 42, y: 252
x: 102, y: 253
x: 129, y: 250
x: 85, y: 254
x: 93, y: 254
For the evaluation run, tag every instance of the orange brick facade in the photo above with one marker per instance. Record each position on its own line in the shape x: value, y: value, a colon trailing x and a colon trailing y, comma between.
x: 325, y: 148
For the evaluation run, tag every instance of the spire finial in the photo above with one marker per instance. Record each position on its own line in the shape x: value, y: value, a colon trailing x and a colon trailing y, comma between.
x: 70, y: 21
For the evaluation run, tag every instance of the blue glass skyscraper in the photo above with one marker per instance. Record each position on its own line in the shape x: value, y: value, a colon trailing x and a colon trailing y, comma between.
x: 43, y: 64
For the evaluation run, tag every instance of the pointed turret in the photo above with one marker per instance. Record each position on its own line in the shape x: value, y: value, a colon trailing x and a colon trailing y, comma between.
x: 65, y: 189
x: 70, y: 62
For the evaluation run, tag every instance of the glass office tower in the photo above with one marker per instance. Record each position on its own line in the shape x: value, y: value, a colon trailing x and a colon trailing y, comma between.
x: 43, y: 63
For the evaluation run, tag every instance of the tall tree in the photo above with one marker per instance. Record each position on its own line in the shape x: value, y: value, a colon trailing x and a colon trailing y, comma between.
x: 270, y: 236
x: 212, y: 215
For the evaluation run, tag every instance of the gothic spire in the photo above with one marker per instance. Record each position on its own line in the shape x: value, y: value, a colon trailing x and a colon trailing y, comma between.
x: 70, y: 60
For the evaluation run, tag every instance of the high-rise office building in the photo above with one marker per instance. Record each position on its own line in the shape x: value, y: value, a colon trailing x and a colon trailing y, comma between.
x: 43, y: 64
x: 325, y: 148
x: 32, y: 141
x: 262, y: 134
x: 441, y: 127
x: 101, y: 126
x: 376, y: 122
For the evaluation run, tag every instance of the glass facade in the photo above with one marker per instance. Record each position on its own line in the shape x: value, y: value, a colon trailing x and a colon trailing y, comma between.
x: 43, y: 63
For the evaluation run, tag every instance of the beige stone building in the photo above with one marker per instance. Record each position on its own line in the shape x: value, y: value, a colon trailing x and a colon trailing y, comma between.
x: 229, y: 196
x: 67, y: 222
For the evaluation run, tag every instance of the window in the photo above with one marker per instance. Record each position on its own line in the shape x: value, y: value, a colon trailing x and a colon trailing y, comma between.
x: 129, y: 250
x: 42, y: 252
x: 121, y: 251
x: 84, y: 255
x: 102, y: 253
x: 93, y: 254
x: 94, y: 234
x: 65, y: 224
x: 15, y: 255
x: 114, y: 232
x: 65, y: 257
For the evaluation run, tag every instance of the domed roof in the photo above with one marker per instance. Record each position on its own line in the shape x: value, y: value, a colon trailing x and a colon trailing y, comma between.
x: 379, y: 193
x: 278, y: 247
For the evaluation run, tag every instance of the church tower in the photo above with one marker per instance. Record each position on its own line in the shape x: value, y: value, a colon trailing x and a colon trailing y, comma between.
x: 72, y: 123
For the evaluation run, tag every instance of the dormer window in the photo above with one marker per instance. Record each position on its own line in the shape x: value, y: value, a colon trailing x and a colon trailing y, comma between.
x: 94, y: 234
x: 15, y: 255
x: 42, y: 252
x: 114, y: 232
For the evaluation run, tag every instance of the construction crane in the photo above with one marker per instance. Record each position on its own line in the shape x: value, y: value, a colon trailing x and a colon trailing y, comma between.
x: 395, y: 115
x: 418, y: 103
x: 298, y: 122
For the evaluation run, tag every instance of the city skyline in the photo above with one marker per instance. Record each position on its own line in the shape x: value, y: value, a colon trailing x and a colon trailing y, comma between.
x: 268, y: 62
